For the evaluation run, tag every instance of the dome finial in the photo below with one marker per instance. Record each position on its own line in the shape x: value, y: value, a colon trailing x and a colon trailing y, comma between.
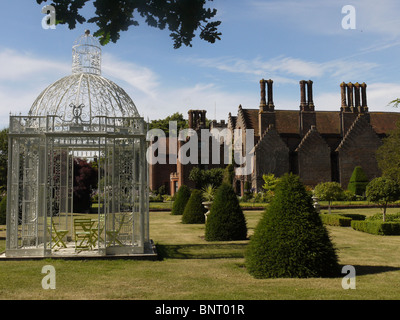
x: 86, y: 55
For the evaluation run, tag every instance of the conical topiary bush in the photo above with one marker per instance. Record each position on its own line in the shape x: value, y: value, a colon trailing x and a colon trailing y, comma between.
x: 225, y: 221
x: 290, y: 239
x: 181, y: 198
x: 358, y: 181
x: 194, y: 209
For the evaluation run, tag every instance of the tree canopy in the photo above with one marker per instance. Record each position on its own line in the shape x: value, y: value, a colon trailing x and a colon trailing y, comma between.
x: 382, y: 191
x: 329, y: 191
x: 388, y: 155
x: 163, y: 124
x: 182, y: 17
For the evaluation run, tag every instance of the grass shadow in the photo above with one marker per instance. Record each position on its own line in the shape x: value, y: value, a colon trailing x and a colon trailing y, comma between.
x: 201, y: 251
x: 367, y: 270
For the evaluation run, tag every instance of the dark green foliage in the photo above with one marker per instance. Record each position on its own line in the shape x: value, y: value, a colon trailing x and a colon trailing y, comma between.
x: 226, y: 220
x: 182, y: 18
x: 336, y: 220
x: 194, y: 209
x: 3, y: 210
x: 358, y: 181
x: 290, y: 239
x: 377, y: 227
x: 388, y: 154
x: 181, y: 199
x: 382, y: 191
x: 164, y: 124
x: 391, y: 217
x: 229, y: 174
x: 203, y: 178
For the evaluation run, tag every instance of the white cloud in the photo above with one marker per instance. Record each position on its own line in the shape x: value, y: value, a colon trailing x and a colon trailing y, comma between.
x: 17, y: 66
x: 288, y: 69
x: 138, y: 77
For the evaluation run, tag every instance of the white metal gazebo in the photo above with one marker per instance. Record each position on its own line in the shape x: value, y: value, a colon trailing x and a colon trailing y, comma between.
x: 80, y: 115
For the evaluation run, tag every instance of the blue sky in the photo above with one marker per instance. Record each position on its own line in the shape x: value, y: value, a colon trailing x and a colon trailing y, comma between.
x: 283, y: 40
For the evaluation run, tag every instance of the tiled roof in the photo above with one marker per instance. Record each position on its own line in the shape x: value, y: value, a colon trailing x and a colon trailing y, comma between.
x: 327, y: 122
x: 384, y: 122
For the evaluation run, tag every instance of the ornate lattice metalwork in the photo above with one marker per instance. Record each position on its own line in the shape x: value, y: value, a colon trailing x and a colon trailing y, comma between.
x: 86, y: 86
x: 82, y: 115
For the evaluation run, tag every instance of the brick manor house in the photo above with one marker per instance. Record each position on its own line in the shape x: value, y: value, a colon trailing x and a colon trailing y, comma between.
x: 318, y: 146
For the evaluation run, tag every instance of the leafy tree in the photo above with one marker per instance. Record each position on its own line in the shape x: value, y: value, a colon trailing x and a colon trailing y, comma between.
x: 194, y: 209
x: 290, y: 240
x: 85, y: 180
x: 382, y: 191
x: 182, y: 17
x: 181, y: 199
x: 202, y: 178
x: 163, y: 124
x: 358, y: 181
x: 270, y: 182
x: 229, y: 174
x: 225, y: 221
x: 329, y: 191
x: 388, y: 155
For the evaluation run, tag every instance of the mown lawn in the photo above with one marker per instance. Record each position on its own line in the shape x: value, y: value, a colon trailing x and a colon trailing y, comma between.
x: 193, y: 268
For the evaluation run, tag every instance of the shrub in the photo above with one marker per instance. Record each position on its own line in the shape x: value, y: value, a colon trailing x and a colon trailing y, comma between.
x: 358, y: 182
x: 336, y: 220
x: 290, y: 239
x: 181, y: 199
x: 194, y: 209
x: 353, y: 216
x: 391, y: 217
x: 226, y: 220
x: 3, y: 210
x: 377, y: 227
x: 382, y: 191
x: 329, y: 191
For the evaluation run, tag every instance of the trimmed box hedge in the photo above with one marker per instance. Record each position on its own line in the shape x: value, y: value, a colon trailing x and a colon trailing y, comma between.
x: 377, y: 227
x: 336, y: 220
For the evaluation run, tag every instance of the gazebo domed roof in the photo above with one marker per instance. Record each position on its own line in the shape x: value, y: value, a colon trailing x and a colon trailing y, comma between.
x: 85, y: 86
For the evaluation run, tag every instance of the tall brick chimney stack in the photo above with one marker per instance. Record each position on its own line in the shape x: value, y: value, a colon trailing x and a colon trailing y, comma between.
x: 266, y: 105
x: 266, y: 114
x: 353, y: 103
x: 364, y: 104
x: 306, y: 90
x: 197, y: 119
x: 310, y: 100
x: 307, y: 108
x: 263, y: 102
x: 270, y: 102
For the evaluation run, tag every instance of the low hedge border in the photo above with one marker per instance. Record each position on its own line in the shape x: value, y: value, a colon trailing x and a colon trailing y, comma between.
x: 377, y: 227
x: 336, y: 220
